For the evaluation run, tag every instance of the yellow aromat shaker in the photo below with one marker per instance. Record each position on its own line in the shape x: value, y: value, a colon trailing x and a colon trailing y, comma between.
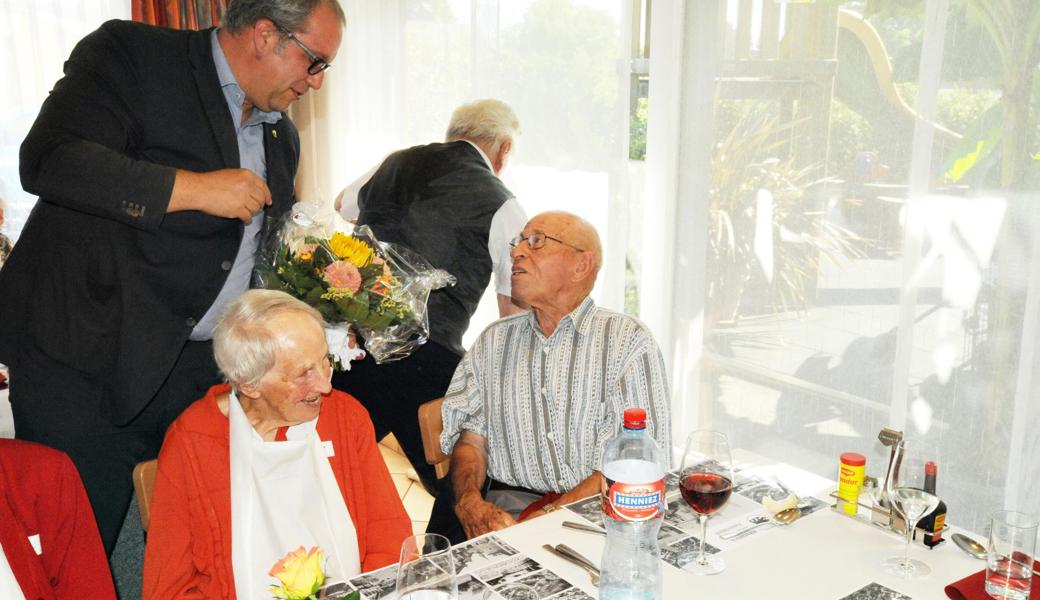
x: 851, y: 471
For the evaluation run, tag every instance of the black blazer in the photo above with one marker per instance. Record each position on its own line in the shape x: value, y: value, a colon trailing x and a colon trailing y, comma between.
x: 101, y: 279
x: 439, y: 200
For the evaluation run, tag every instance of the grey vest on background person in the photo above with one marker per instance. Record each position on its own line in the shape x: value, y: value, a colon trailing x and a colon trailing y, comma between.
x: 438, y: 200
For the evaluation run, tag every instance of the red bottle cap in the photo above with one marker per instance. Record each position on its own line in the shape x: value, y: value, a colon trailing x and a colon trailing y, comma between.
x: 635, y: 418
x: 930, y: 468
x: 853, y: 459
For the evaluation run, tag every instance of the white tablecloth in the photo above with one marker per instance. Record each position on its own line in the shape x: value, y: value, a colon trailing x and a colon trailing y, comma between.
x: 823, y: 556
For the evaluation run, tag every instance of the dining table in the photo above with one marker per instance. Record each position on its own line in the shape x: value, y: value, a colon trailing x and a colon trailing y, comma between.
x: 825, y: 555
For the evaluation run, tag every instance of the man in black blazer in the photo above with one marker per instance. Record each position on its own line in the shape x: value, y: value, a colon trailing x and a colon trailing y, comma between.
x: 162, y: 160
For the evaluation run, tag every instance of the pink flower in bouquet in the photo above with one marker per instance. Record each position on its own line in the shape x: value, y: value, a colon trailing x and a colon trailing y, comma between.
x: 343, y: 275
x: 300, y: 245
x: 305, y: 251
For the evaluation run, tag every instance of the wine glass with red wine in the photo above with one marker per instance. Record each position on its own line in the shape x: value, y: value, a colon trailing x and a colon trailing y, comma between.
x: 706, y: 483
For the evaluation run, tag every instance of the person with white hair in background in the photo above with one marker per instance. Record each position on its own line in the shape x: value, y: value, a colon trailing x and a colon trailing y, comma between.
x: 446, y: 202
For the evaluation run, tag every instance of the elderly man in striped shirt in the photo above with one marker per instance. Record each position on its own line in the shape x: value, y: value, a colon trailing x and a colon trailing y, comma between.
x: 538, y: 395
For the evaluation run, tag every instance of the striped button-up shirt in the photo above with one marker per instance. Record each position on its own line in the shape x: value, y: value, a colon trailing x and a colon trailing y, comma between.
x: 547, y: 405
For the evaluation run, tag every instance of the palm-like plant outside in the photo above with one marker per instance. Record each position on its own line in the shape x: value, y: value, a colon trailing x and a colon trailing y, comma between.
x: 746, y: 162
x: 1014, y: 27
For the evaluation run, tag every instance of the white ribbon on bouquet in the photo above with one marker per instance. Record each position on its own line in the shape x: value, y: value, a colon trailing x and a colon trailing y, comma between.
x: 342, y: 345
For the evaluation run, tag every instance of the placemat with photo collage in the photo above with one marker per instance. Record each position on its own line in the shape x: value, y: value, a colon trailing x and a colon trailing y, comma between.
x: 679, y: 536
x: 481, y: 564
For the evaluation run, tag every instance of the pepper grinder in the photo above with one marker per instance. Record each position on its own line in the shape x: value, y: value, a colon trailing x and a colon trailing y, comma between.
x: 889, y: 517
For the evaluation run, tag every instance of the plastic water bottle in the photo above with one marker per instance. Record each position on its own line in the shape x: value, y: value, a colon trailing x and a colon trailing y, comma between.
x: 633, y: 509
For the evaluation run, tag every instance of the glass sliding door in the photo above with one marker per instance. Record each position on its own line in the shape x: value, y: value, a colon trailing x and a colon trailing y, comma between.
x: 869, y: 247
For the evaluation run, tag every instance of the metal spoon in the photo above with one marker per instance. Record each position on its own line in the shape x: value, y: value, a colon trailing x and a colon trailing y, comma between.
x: 788, y: 515
x: 970, y: 546
x: 973, y: 548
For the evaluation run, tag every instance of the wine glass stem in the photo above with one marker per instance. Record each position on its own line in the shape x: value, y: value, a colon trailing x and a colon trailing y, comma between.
x: 704, y: 539
x: 906, y: 550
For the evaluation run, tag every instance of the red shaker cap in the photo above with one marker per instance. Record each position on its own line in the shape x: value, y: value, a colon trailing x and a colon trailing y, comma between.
x: 635, y: 418
x: 853, y: 459
x: 930, y: 468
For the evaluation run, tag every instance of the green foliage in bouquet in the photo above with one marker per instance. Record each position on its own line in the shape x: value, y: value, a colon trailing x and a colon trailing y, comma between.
x: 343, y: 278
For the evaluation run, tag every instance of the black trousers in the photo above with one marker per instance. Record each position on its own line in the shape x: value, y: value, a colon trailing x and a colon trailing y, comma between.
x: 393, y: 391
x: 58, y: 406
x: 443, y: 519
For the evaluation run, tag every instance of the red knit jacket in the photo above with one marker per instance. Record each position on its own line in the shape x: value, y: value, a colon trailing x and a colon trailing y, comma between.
x: 41, y: 494
x: 189, y: 538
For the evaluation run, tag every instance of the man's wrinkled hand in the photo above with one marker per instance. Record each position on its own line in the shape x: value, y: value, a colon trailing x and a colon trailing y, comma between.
x: 230, y: 193
x: 480, y: 516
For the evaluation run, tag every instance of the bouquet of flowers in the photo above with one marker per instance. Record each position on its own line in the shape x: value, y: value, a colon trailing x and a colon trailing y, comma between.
x: 354, y: 280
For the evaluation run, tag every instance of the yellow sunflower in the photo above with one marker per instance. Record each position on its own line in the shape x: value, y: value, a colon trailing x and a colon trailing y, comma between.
x: 351, y: 249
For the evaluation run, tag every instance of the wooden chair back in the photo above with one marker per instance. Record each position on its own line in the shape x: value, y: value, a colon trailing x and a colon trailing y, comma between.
x: 144, y: 484
x: 430, y: 425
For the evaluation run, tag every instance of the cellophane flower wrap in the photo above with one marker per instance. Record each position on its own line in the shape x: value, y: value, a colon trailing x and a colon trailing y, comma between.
x: 353, y: 279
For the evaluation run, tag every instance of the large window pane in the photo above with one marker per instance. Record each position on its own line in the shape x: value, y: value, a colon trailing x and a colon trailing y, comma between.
x: 871, y: 239
x: 36, y: 37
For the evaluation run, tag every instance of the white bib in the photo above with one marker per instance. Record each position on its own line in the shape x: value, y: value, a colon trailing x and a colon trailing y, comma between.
x: 284, y: 495
x: 9, y: 587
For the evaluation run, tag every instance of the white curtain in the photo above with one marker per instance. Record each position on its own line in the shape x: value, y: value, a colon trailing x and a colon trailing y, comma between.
x: 931, y: 328
x: 406, y: 64
x: 36, y: 37
x: 354, y: 120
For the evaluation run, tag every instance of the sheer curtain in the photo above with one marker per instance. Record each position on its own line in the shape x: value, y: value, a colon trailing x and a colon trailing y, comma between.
x: 36, y: 38
x: 406, y: 64
x: 851, y: 237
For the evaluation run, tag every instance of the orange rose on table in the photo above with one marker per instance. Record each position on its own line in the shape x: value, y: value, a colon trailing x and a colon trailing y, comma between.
x: 300, y: 573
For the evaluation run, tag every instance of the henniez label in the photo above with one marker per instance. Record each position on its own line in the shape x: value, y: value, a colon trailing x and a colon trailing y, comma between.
x: 633, y: 501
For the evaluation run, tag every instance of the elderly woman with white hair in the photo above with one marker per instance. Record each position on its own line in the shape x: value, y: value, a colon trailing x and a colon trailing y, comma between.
x: 273, y: 461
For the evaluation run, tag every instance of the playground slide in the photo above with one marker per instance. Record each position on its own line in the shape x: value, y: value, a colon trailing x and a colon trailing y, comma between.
x: 860, y: 47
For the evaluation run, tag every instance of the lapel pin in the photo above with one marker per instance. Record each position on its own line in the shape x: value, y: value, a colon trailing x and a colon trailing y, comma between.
x: 274, y: 133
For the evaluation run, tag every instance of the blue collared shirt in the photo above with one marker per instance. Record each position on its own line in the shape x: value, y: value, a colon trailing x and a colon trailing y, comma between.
x: 251, y: 156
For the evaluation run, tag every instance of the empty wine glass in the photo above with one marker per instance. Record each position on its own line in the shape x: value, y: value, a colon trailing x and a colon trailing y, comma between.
x: 908, y: 496
x: 426, y: 570
x: 706, y: 482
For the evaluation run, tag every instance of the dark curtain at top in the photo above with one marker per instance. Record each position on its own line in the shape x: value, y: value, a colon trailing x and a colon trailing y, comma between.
x: 180, y: 14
